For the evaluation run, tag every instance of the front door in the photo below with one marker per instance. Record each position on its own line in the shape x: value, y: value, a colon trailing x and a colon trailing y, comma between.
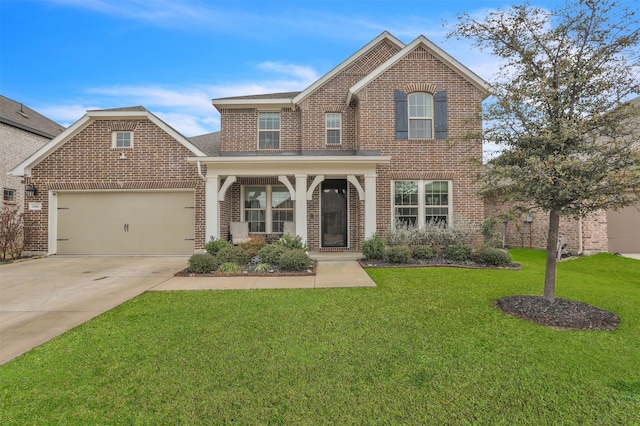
x: 334, y: 213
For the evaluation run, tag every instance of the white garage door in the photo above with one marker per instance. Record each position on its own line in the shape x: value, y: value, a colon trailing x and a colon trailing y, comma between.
x: 623, y: 227
x: 142, y: 222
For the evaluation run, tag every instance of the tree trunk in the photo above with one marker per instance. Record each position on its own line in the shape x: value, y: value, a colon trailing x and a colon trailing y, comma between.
x: 552, y: 257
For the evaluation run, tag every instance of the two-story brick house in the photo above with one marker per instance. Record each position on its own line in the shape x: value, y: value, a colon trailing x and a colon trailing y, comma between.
x: 381, y: 138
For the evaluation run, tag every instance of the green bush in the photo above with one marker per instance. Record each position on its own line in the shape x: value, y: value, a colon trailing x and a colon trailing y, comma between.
x: 230, y: 268
x: 373, y: 248
x: 459, y: 252
x: 271, y: 253
x: 399, y: 254
x: 253, y: 245
x: 422, y: 252
x: 295, y: 260
x: 234, y: 254
x: 262, y: 268
x: 494, y: 256
x: 215, y: 245
x: 202, y: 263
x: 292, y: 242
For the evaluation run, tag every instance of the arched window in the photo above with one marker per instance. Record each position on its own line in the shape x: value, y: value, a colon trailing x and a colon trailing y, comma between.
x: 420, y: 116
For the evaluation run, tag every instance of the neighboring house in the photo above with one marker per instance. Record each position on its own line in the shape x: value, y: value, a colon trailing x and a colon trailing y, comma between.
x: 22, y: 132
x: 382, y: 138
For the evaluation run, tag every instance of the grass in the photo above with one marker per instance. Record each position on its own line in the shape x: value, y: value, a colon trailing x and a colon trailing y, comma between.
x: 424, y: 347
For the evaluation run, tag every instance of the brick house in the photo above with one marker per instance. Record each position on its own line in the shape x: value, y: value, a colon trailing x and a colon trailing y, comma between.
x: 381, y: 138
x: 22, y: 132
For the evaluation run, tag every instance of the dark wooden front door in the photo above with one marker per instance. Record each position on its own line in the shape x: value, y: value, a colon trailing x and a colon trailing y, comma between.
x: 334, y: 213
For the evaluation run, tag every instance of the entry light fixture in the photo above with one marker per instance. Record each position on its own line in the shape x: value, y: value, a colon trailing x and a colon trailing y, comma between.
x: 31, y: 191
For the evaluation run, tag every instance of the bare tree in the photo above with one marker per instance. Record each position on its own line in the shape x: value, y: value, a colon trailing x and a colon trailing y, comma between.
x: 560, y: 109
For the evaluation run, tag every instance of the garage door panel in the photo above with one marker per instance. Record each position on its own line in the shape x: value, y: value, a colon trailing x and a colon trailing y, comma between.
x: 126, y: 223
x: 623, y: 227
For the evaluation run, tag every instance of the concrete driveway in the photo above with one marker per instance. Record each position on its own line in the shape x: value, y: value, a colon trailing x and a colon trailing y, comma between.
x: 42, y: 298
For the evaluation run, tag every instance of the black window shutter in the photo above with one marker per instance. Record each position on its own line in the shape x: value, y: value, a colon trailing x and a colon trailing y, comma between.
x: 440, y: 114
x: 402, y: 116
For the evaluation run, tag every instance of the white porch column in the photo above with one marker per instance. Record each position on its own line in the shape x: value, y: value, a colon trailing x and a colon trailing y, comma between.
x: 370, y: 205
x: 301, y: 206
x: 212, y: 207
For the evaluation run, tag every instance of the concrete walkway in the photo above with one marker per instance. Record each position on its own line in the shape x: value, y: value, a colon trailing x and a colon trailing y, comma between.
x: 43, y: 298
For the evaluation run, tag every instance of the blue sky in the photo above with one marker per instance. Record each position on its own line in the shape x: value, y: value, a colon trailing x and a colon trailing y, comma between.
x: 63, y: 57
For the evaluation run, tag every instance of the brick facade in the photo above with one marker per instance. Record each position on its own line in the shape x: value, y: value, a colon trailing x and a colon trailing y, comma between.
x: 88, y: 162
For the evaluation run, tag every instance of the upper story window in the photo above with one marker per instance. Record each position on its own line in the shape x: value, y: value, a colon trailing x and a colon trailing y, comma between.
x: 333, y: 125
x: 269, y: 130
x: 122, y: 140
x: 9, y: 195
x: 420, y: 116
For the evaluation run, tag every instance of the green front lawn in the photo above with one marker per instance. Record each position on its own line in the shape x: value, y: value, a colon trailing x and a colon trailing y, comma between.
x: 424, y: 347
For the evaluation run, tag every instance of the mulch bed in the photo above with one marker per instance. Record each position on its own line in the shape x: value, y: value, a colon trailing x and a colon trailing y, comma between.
x: 435, y: 261
x: 562, y: 314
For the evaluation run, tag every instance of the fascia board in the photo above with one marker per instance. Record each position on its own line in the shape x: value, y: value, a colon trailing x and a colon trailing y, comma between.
x: 252, y: 103
x: 449, y: 60
x: 24, y: 168
x: 385, y: 35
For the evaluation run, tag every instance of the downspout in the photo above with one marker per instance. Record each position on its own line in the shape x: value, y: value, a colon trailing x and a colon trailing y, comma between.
x: 580, y: 247
x: 200, y: 172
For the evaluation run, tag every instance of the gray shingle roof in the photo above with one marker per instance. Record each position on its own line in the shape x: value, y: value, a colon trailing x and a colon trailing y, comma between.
x: 284, y: 95
x: 22, y: 117
x: 131, y: 108
x: 208, y: 143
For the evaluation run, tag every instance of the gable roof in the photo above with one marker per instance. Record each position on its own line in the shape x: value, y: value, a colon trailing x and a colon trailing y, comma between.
x: 443, y: 56
x: 18, y: 115
x: 24, y: 168
x: 209, y: 143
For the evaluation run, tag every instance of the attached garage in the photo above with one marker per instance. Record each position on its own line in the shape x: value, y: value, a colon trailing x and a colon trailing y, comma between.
x: 125, y: 222
x: 624, y: 230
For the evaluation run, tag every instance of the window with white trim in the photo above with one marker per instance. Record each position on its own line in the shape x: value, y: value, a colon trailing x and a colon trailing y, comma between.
x: 421, y: 202
x: 8, y: 195
x: 420, y: 116
x: 268, y: 130
x: 333, y: 125
x: 267, y: 208
x: 122, y: 140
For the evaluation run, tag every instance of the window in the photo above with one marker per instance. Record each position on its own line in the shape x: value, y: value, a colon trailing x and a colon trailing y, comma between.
x: 420, y: 116
x: 422, y: 202
x: 267, y: 207
x: 122, y: 140
x: 269, y: 130
x: 333, y: 124
x: 9, y: 195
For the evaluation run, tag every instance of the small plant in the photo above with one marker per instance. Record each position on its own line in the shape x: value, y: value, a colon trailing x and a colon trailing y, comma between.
x: 289, y: 241
x: 373, y: 248
x: 492, y: 237
x: 11, y: 233
x: 215, y: 245
x: 400, y: 235
x: 271, y: 253
x: 234, y: 254
x: 458, y: 252
x: 202, y: 263
x: 262, y: 268
x: 253, y: 245
x: 399, y: 254
x: 295, y: 260
x: 229, y: 268
x: 422, y: 252
x: 494, y: 256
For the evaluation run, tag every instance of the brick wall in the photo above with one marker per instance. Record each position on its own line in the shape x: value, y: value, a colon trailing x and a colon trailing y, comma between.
x: 87, y: 162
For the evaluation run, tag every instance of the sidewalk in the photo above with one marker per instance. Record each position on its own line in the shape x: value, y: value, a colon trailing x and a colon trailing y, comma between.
x: 333, y: 270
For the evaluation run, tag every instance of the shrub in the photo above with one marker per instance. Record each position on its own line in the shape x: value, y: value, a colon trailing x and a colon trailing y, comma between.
x: 458, y: 251
x: 271, y: 253
x: 422, y: 252
x: 202, y: 263
x: 253, y: 245
x: 11, y: 233
x: 230, y: 268
x: 373, y: 248
x: 262, y: 268
x: 215, y: 245
x: 399, y: 254
x: 492, y: 237
x: 234, y: 254
x: 494, y: 256
x: 292, y: 242
x: 295, y: 260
